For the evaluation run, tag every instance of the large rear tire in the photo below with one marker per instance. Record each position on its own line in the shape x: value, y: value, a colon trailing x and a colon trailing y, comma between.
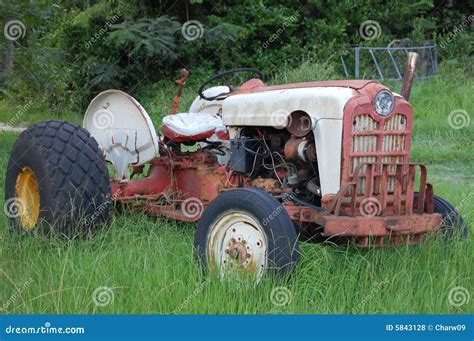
x: 57, y: 180
x: 246, y: 231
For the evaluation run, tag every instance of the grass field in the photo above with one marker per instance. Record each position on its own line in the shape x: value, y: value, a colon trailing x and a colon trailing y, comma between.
x: 141, y: 264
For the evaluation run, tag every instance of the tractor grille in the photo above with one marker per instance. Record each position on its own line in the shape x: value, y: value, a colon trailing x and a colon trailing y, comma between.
x: 364, y: 141
x: 378, y: 141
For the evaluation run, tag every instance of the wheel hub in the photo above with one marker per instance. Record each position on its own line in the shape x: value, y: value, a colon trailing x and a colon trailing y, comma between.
x: 238, y: 251
x: 238, y: 245
x: 27, y: 193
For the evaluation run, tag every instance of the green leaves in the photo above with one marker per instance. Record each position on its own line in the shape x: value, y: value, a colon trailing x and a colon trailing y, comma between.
x: 75, y: 49
x: 150, y: 37
x: 223, y: 32
x: 104, y: 75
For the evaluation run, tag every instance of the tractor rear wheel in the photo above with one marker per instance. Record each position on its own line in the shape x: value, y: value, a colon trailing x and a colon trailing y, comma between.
x: 453, y: 224
x: 57, y: 180
x: 246, y: 232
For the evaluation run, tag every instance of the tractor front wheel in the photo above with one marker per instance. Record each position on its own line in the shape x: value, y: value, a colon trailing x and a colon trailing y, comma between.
x: 246, y: 232
x: 57, y: 180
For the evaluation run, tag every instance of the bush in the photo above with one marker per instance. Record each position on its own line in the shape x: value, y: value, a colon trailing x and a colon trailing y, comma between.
x: 72, y: 51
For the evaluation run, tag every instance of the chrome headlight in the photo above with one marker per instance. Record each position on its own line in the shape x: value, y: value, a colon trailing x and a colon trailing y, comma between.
x: 383, y: 103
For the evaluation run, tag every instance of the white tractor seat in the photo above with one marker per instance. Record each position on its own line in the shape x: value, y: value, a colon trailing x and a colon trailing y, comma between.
x: 189, y: 126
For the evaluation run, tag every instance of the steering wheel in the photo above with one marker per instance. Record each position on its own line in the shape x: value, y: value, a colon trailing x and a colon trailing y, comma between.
x: 221, y: 75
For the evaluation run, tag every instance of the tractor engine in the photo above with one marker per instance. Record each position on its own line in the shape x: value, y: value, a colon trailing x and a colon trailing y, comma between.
x: 278, y: 161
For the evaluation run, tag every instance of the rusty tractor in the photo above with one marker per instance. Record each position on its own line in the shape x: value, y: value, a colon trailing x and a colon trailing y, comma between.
x: 257, y: 167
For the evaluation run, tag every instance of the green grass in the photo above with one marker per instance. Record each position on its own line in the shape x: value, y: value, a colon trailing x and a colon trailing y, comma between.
x: 149, y: 262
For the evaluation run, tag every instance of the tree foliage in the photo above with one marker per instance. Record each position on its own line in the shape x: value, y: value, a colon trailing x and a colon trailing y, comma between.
x: 75, y: 49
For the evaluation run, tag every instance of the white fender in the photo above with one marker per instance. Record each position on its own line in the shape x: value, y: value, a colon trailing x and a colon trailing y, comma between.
x: 123, y: 130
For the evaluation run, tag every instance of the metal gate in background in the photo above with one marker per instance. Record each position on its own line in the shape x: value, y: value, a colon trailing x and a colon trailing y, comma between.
x: 388, y: 62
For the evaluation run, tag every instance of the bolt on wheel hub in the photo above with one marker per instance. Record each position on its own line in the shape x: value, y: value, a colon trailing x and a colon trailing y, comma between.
x: 238, y: 251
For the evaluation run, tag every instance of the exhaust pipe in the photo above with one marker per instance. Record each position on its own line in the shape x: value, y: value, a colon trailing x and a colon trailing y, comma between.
x: 177, y: 98
x: 409, y: 74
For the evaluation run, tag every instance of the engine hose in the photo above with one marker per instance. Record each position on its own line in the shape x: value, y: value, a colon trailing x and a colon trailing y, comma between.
x: 304, y: 203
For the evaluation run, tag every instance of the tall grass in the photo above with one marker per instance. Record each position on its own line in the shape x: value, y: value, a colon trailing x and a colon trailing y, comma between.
x: 149, y: 266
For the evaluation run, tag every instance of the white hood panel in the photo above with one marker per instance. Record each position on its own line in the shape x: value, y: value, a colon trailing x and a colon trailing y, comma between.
x: 325, y: 105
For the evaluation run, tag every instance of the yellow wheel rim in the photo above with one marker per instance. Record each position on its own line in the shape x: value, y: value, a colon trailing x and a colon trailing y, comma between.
x: 27, y: 192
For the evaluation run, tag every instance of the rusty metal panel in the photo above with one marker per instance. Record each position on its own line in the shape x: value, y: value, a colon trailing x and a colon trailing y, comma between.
x: 393, y: 216
x: 371, y: 138
x: 380, y: 226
